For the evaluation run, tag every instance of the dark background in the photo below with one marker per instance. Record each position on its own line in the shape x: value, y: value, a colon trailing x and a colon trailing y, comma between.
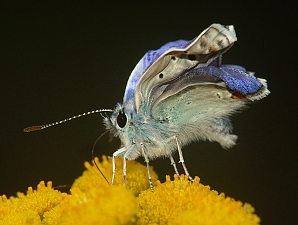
x: 59, y: 59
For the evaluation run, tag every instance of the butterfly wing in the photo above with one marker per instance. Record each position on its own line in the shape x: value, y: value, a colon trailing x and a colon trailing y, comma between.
x: 191, y: 90
x: 199, y: 104
x: 157, y: 68
x: 200, y: 101
x: 184, y: 85
x: 235, y: 78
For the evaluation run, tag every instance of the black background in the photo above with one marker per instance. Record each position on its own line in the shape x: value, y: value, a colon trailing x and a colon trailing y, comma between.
x: 60, y: 59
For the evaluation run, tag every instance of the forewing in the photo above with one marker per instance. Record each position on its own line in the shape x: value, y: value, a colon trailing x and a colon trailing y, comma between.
x: 157, y: 68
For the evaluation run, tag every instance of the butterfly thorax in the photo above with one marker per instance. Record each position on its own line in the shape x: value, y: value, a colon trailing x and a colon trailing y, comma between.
x: 135, y: 129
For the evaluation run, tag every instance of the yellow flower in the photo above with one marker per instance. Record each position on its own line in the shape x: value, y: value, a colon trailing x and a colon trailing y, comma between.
x: 99, y: 205
x: 136, y: 178
x: 94, y: 201
x: 29, y: 209
x: 184, y: 202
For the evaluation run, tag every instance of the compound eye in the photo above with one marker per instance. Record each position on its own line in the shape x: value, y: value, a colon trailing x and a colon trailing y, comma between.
x: 121, y: 119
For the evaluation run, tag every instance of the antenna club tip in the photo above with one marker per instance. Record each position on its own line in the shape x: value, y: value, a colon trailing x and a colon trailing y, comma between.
x: 33, y: 128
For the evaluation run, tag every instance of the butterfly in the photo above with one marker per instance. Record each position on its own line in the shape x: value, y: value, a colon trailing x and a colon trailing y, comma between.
x: 178, y: 94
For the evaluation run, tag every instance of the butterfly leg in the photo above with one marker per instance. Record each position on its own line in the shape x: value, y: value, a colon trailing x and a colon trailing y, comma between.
x: 181, y: 160
x: 124, y: 170
x: 148, y: 167
x: 174, y: 165
x: 115, y: 155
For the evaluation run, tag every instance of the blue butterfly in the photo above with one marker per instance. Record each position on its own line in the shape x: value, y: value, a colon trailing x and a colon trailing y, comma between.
x: 179, y: 94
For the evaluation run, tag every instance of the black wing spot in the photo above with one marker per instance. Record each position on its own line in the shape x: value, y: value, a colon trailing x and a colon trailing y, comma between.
x: 173, y: 58
x: 220, y: 43
x: 160, y: 75
x: 192, y: 57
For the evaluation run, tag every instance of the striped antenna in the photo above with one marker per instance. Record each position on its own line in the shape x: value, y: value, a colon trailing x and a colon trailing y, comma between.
x: 41, y: 127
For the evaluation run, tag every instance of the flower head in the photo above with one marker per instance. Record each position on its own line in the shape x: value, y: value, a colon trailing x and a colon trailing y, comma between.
x: 183, y: 202
x: 30, y: 208
x: 136, y: 179
x: 99, y: 205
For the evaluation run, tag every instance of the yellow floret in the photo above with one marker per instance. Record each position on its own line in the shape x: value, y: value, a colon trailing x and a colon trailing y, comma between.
x: 184, y: 202
x: 27, y: 217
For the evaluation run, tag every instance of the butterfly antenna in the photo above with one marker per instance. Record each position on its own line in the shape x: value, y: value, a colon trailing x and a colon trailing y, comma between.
x: 41, y: 127
x: 94, y: 157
